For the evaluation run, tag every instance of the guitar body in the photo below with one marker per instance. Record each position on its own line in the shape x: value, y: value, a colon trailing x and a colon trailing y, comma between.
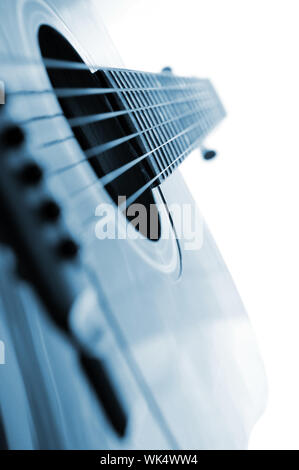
x: 176, y: 339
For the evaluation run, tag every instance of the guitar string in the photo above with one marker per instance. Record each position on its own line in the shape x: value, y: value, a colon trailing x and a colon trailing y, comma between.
x: 113, y: 175
x: 140, y: 191
x: 50, y: 63
x: 79, y: 121
x: 90, y: 119
x: 99, y: 149
x: 74, y: 122
x: 112, y: 144
x: 69, y: 92
x: 116, y: 173
x: 72, y: 65
x: 190, y: 82
x: 100, y: 116
x: 108, y: 178
x: 146, y: 186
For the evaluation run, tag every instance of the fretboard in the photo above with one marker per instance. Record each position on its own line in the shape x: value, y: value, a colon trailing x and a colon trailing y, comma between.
x: 135, y: 128
x: 172, y: 114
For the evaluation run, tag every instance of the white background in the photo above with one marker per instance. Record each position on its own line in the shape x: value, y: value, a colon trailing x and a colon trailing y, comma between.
x: 250, y: 194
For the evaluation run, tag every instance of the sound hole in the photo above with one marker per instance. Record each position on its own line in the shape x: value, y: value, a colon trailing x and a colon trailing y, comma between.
x: 53, y: 45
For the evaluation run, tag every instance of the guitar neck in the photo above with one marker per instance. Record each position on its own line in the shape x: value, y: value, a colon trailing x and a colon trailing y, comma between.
x: 134, y: 124
x: 172, y: 114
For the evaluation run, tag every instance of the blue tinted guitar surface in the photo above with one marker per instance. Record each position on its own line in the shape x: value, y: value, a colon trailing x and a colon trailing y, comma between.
x: 176, y: 338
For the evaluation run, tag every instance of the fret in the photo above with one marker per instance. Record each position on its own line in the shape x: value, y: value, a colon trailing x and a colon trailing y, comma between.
x: 151, y: 121
x: 174, y: 149
x: 148, y: 117
x: 128, y: 96
x: 159, y: 134
x: 177, y: 126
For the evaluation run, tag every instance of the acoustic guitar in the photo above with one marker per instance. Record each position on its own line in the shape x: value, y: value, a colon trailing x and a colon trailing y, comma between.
x: 120, y: 325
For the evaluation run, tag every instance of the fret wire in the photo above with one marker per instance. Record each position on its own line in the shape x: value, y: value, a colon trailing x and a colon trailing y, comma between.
x: 178, y: 147
x: 178, y: 144
x: 191, y: 105
x: 153, y: 116
x: 146, y: 118
x: 147, y: 121
x: 160, y: 156
x: 146, y: 97
x: 176, y: 126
